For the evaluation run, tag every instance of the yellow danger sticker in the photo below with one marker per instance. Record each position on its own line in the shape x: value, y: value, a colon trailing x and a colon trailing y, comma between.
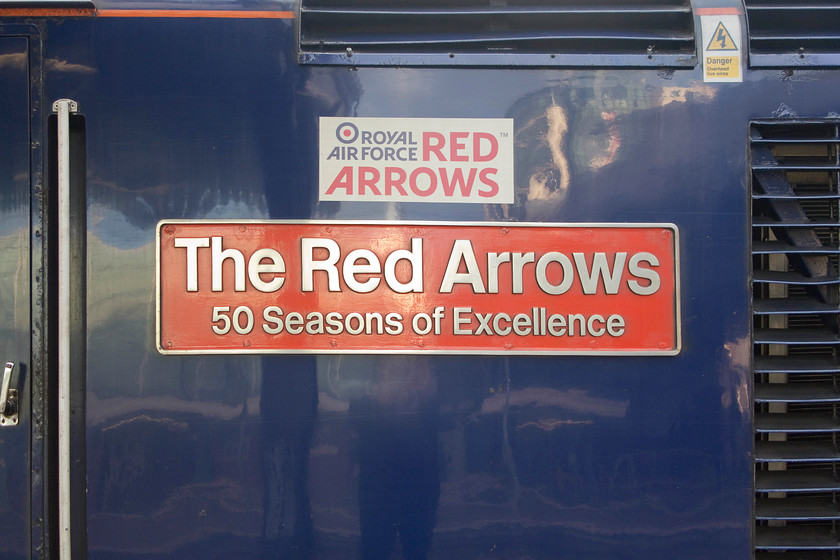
x: 721, y: 48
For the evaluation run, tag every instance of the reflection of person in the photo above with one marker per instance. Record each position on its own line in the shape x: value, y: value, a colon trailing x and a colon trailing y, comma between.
x: 399, y: 480
x: 288, y: 405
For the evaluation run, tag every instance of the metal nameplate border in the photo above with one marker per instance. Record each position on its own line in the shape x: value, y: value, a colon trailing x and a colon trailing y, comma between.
x: 408, y: 223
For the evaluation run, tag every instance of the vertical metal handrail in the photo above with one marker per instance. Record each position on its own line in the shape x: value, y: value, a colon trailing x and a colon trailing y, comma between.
x: 63, y: 108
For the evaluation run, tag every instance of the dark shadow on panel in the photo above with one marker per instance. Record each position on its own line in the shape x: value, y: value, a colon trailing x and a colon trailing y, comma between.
x: 399, y: 473
x: 288, y: 404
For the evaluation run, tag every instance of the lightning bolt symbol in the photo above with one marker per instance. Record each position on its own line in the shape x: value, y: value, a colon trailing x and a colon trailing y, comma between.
x: 721, y: 37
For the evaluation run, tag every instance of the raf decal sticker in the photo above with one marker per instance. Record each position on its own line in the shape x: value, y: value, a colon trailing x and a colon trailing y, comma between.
x: 416, y: 160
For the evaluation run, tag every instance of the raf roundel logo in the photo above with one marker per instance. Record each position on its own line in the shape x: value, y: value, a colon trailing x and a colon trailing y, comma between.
x: 347, y: 133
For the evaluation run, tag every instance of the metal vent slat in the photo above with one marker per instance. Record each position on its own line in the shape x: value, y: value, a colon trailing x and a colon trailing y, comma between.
x: 808, y: 509
x: 489, y: 38
x: 770, y: 222
x: 776, y: 5
x: 796, y: 452
x: 793, y: 306
x: 803, y: 364
x: 782, y: 247
x: 796, y: 481
x: 796, y: 422
x: 654, y: 33
x: 793, y: 197
x: 784, y: 277
x: 762, y: 142
x: 796, y: 538
x: 343, y: 9
x: 478, y: 7
x: 797, y: 164
x: 796, y: 336
x: 800, y: 555
x: 782, y: 37
x: 796, y: 297
x: 778, y: 141
x: 790, y: 33
x: 808, y: 392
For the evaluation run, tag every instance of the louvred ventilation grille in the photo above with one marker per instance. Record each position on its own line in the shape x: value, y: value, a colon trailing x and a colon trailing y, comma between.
x: 790, y: 33
x: 795, y: 246
x: 489, y: 32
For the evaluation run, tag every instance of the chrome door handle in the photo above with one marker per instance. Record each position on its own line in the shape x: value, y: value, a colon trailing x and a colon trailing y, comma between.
x: 8, y: 399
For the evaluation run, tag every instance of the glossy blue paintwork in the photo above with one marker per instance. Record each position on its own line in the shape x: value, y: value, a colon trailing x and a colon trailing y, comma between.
x: 472, y: 457
x: 15, y: 293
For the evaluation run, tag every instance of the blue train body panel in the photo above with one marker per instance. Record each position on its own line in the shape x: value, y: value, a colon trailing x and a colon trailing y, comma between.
x: 334, y: 455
